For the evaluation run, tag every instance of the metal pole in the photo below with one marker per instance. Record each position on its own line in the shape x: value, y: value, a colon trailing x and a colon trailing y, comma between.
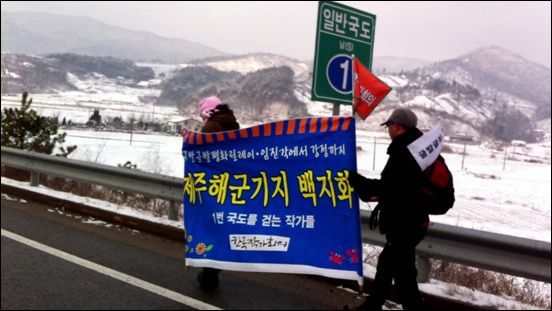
x: 464, y: 153
x: 424, y: 269
x: 131, y: 128
x: 374, y: 162
x: 35, y: 178
x: 335, y: 111
x: 504, y: 164
x: 173, y: 212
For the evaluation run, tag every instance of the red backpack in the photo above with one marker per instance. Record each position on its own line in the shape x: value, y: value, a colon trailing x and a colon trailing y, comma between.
x: 438, y: 188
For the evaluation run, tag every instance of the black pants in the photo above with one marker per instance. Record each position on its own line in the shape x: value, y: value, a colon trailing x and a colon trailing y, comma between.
x: 397, y: 261
x: 211, y: 271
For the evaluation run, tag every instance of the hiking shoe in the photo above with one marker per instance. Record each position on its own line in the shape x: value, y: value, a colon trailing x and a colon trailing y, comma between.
x: 208, y: 280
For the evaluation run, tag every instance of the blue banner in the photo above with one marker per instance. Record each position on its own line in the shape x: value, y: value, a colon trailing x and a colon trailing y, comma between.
x: 274, y: 198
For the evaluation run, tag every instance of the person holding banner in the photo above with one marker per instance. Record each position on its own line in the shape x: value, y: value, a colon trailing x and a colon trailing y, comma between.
x: 402, y: 217
x: 217, y: 117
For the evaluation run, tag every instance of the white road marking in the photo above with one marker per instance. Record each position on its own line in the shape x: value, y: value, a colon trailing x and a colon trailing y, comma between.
x: 196, y: 304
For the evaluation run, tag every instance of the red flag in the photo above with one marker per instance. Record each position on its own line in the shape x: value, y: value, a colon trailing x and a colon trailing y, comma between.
x: 369, y: 90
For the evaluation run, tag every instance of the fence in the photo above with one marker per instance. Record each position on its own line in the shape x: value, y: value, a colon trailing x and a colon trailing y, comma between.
x: 485, y: 250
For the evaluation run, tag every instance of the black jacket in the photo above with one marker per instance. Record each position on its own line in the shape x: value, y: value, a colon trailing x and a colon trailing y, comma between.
x: 398, y: 190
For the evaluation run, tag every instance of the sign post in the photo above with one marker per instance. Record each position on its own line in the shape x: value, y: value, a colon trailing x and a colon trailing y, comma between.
x: 341, y: 31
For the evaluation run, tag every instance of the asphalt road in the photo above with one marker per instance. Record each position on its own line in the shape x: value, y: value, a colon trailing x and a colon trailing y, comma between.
x: 51, y: 259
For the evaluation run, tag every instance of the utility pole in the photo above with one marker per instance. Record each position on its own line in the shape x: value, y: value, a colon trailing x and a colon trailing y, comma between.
x: 131, y: 128
x: 335, y: 111
x: 504, y: 164
x: 464, y: 153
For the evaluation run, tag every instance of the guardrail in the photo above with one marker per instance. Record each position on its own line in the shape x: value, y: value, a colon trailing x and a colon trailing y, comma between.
x: 152, y: 185
x: 485, y: 250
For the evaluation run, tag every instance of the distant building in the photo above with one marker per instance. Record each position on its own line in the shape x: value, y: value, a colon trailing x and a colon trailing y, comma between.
x: 463, y: 139
x: 538, y: 134
x: 143, y: 84
x: 154, y: 82
x: 180, y: 123
x: 149, y: 83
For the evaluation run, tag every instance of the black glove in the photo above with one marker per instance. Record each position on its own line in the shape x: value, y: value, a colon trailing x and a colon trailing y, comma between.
x: 373, y: 222
x: 361, y: 185
x: 355, y: 179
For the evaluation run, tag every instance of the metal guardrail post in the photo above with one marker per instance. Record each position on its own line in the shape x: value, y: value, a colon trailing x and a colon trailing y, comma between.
x: 173, y: 211
x: 424, y: 268
x: 35, y: 178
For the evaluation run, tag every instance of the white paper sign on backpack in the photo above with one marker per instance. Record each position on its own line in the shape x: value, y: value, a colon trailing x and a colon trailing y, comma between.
x: 427, y: 148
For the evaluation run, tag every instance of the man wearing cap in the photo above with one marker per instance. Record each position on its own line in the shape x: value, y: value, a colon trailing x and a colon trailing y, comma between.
x: 401, y: 216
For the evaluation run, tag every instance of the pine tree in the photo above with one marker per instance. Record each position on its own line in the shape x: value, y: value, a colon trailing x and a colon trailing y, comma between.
x: 96, y: 117
x: 24, y: 129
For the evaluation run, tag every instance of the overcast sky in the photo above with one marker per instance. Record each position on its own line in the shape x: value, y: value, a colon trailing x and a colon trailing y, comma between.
x: 431, y: 31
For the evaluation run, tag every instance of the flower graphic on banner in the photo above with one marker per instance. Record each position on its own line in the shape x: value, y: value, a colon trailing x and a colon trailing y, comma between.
x: 202, y: 248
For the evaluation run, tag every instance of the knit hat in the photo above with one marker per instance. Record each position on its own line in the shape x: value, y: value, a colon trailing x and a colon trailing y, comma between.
x: 208, y: 106
x: 404, y: 117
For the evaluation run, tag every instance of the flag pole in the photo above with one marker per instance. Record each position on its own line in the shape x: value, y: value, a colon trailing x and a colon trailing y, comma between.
x: 353, y: 85
x: 361, y: 280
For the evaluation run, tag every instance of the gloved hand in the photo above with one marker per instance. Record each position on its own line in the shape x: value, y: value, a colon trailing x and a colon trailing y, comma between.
x: 361, y: 185
x: 373, y: 221
x: 355, y: 179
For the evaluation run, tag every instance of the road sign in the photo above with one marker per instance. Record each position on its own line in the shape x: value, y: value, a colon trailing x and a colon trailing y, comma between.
x: 341, y: 32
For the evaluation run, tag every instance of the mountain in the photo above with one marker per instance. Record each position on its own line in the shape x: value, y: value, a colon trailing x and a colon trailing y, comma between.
x: 42, y: 34
x: 494, y: 68
x: 489, y: 92
x: 254, y: 61
x: 264, y: 95
x: 391, y: 64
x: 474, y: 94
x: 55, y: 73
x: 492, y: 91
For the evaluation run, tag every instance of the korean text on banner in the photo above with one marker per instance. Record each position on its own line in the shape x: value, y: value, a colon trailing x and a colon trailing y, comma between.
x: 274, y: 198
x: 369, y: 91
